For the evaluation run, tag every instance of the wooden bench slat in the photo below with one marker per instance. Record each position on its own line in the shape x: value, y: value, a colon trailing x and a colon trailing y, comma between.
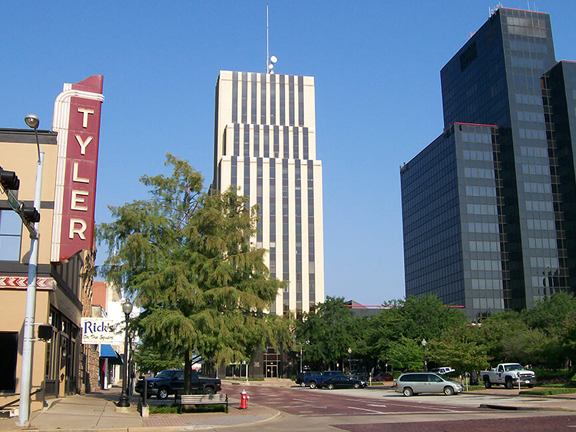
x: 206, y: 399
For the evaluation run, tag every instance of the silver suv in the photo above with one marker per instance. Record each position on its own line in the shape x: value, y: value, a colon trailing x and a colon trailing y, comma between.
x: 425, y: 382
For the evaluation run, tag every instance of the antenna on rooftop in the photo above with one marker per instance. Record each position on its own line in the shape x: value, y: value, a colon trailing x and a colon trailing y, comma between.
x: 270, y: 61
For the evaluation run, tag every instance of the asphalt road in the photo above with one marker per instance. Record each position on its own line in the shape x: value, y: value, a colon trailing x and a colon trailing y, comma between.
x: 379, y: 409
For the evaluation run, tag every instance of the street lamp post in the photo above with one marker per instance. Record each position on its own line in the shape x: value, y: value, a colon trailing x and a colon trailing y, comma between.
x: 424, y: 354
x: 349, y: 360
x: 124, y: 400
x: 26, y: 377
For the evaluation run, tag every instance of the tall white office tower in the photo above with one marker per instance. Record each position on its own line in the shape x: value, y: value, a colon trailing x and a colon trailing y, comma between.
x: 265, y: 144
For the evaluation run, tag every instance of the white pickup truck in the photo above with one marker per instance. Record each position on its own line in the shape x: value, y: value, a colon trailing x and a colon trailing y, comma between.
x: 509, y: 375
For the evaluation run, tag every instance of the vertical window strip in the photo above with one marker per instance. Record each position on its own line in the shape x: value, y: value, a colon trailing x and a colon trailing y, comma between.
x: 253, y: 105
x: 246, y: 146
x: 296, y: 150
x: 236, y: 139
x: 285, y: 230
x: 235, y: 97
x: 311, y: 245
x: 273, y: 218
x: 298, y: 202
x: 266, y: 141
x: 286, y: 144
x: 234, y: 176
x: 244, y: 97
x: 273, y: 99
x: 305, y: 143
x: 282, y: 100
x: 256, y: 141
x: 263, y: 99
x: 247, y: 178
x: 291, y: 100
x: 301, y: 101
x: 276, y: 141
x: 259, y: 199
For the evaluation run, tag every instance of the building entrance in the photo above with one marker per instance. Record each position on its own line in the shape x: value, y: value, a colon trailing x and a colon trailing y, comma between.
x: 271, y: 370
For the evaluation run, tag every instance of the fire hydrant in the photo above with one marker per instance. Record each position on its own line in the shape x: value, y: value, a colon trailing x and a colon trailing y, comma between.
x: 244, y: 399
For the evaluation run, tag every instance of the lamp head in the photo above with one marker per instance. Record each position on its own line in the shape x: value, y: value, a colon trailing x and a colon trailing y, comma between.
x: 127, y: 307
x: 32, y: 121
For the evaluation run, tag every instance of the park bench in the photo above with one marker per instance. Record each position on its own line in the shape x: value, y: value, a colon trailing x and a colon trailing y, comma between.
x: 203, y: 399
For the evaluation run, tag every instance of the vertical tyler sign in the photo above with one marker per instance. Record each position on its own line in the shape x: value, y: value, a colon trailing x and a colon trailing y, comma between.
x: 77, y: 121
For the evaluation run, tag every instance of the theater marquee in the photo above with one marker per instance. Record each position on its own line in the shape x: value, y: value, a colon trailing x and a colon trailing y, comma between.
x: 77, y: 121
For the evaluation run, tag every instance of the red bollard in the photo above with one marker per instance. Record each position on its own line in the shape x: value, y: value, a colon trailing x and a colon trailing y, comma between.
x: 244, y: 400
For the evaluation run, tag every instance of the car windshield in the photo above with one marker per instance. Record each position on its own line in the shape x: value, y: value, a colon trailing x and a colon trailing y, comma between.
x: 513, y: 367
x: 165, y: 374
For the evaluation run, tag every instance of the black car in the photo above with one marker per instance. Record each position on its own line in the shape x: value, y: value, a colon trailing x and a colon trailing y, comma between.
x: 343, y: 381
x: 171, y: 381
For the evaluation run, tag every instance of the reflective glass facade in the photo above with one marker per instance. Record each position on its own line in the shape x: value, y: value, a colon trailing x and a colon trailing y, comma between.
x: 491, y: 233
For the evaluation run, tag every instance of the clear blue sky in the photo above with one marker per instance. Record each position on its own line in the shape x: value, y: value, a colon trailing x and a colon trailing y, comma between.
x: 378, y: 99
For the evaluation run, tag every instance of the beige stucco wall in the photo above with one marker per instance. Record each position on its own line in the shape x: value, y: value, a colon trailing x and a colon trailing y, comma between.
x: 22, y: 158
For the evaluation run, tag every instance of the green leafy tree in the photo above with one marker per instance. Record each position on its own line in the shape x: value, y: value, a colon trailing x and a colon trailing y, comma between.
x: 550, y: 320
x: 460, y: 347
x: 406, y: 354
x: 186, y: 258
x: 415, y: 318
x: 327, y: 333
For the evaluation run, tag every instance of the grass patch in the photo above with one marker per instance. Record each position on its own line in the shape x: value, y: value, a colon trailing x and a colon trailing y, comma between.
x: 203, y: 408
x: 163, y: 409
x: 474, y: 387
x: 177, y: 409
x: 549, y: 391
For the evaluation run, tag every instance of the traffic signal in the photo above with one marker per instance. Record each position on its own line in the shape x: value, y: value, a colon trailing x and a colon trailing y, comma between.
x: 9, y: 179
x: 45, y: 332
x: 30, y: 214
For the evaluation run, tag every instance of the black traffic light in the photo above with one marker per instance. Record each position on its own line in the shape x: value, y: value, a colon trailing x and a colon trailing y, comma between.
x: 30, y: 214
x: 9, y: 179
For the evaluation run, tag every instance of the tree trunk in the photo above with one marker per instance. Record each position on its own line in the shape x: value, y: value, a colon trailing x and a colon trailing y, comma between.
x: 187, y: 373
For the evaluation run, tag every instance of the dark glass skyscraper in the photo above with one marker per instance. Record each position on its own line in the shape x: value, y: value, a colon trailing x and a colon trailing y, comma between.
x: 488, y: 207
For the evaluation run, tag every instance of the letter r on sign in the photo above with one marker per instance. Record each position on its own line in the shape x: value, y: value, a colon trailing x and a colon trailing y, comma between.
x: 77, y: 230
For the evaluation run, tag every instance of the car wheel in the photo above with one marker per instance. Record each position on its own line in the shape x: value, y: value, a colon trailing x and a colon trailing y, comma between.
x: 509, y: 384
x: 356, y: 386
x: 448, y: 391
x: 209, y: 390
x: 487, y: 383
x: 530, y: 385
x: 407, y: 391
x: 330, y: 386
x: 312, y: 384
x: 162, y: 393
x: 302, y: 385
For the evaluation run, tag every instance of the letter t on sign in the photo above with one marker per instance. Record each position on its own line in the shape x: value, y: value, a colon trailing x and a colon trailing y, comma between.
x: 85, y: 111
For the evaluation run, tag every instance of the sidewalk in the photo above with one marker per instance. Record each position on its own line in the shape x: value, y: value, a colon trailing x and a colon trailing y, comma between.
x: 98, y: 411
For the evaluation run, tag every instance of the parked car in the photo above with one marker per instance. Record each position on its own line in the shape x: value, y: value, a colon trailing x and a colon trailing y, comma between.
x: 343, y: 381
x: 383, y: 377
x: 301, y: 377
x: 426, y: 382
x: 171, y: 381
x: 362, y: 375
x: 443, y: 370
x: 314, y: 381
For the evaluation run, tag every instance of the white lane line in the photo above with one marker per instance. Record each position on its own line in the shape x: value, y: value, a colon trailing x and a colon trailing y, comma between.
x: 407, y: 413
x: 367, y: 410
